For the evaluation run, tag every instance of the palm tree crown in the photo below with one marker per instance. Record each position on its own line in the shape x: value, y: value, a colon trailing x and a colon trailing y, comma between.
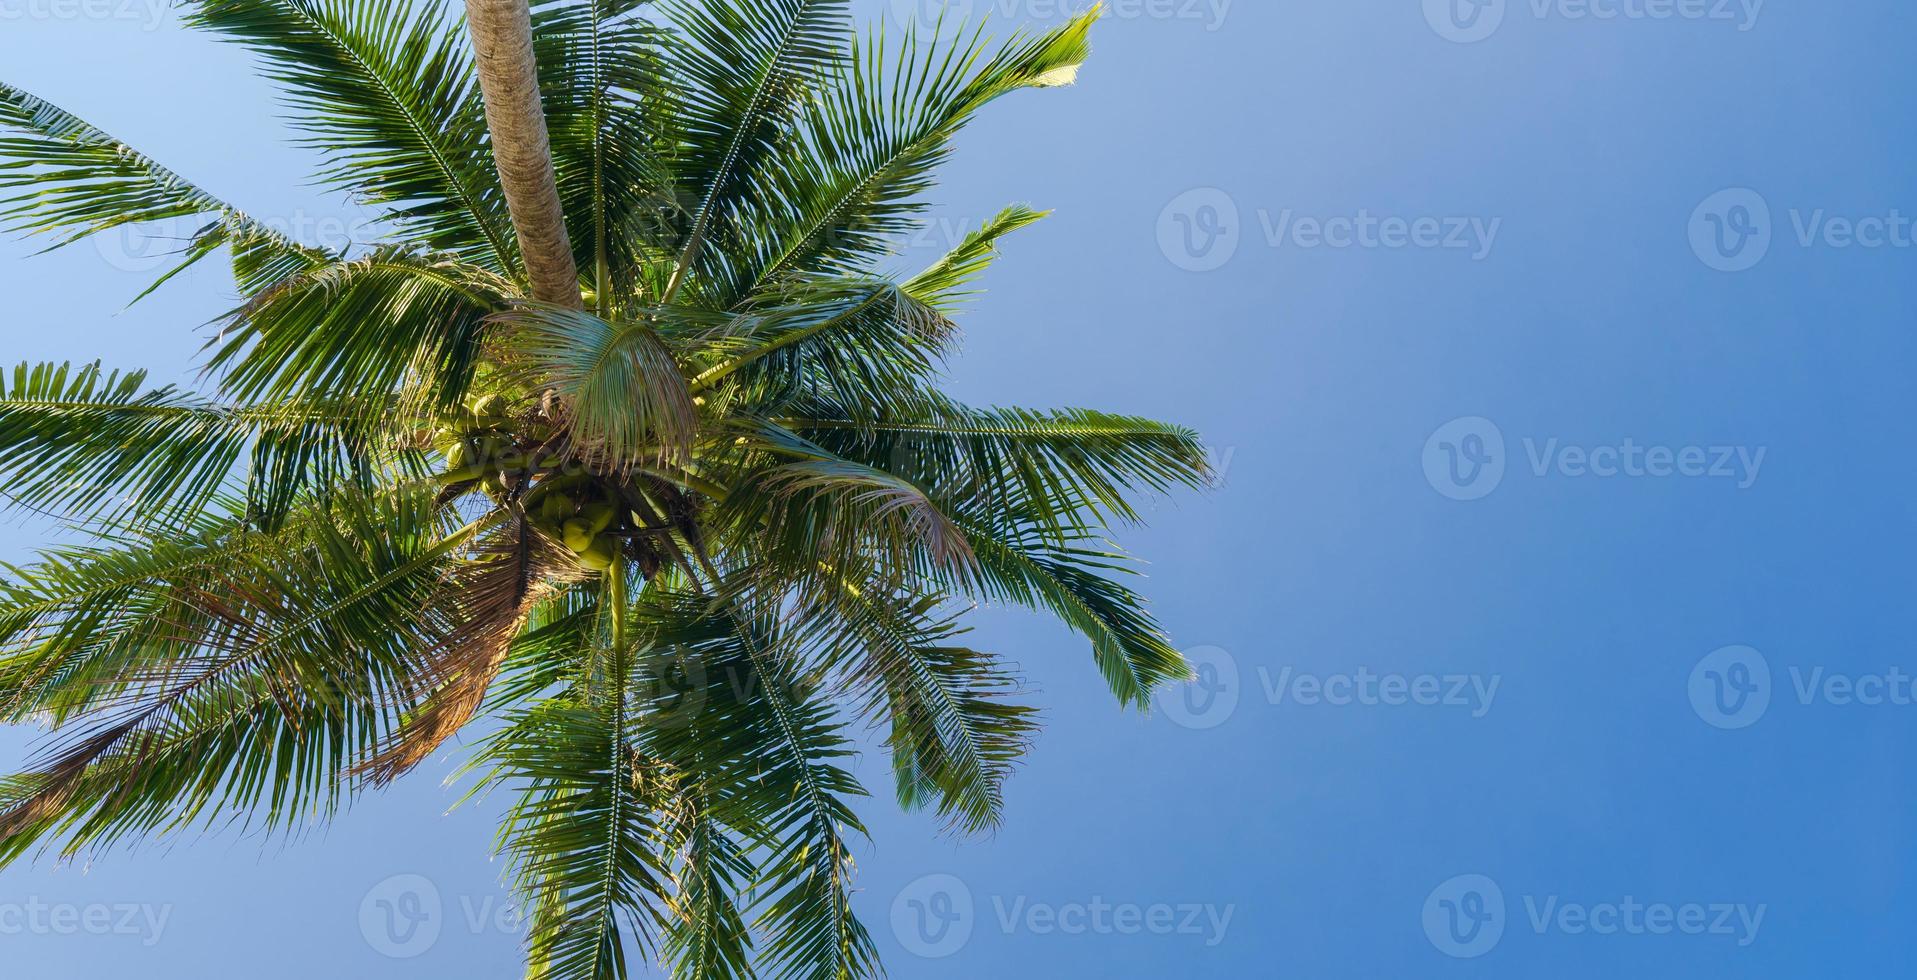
x: 670, y: 540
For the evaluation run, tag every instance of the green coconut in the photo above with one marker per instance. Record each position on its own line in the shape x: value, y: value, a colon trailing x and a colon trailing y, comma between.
x: 459, y: 455
x: 464, y: 474
x: 578, y: 535
x: 600, y: 515
x: 600, y: 555
x: 554, y: 508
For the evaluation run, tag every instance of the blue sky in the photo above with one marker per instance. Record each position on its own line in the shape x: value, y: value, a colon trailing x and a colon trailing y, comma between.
x: 1553, y: 614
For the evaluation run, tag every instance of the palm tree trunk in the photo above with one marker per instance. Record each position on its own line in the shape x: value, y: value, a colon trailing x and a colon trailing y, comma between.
x: 509, y: 80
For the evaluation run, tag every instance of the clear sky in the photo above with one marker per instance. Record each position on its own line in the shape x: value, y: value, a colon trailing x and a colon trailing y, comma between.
x: 1549, y: 347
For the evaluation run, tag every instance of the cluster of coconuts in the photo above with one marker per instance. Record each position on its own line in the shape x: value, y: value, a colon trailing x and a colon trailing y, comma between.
x: 477, y: 445
x: 572, y: 508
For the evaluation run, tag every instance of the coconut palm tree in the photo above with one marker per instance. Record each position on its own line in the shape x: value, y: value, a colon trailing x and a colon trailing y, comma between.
x: 669, y: 526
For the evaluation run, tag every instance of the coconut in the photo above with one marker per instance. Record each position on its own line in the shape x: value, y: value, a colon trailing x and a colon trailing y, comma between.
x: 601, y: 554
x: 556, y: 507
x: 600, y: 515
x: 465, y: 474
x: 578, y: 535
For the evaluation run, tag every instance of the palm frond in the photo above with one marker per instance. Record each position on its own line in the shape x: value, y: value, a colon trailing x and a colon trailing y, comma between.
x: 489, y: 598
x: 854, y: 177
x: 386, y: 90
x: 388, y: 326
x: 955, y: 732
x: 583, y: 834
x: 745, y: 66
x: 1066, y: 468
x: 706, y: 935
x: 765, y: 753
x: 259, y: 680
x: 807, y: 506
x: 860, y: 342
x: 943, y: 285
x: 102, y: 446
x: 603, y: 83
x: 1070, y: 581
x: 67, y: 178
x: 623, y: 395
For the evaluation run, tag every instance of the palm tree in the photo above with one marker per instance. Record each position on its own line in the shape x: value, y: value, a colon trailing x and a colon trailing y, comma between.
x: 669, y: 537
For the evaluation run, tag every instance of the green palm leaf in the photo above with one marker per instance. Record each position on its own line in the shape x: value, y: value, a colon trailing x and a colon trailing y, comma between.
x: 767, y: 755
x: 66, y: 178
x: 101, y: 446
x: 260, y: 673
x: 745, y: 67
x: 870, y: 144
x: 386, y: 91
x: 955, y: 733
x: 601, y: 75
